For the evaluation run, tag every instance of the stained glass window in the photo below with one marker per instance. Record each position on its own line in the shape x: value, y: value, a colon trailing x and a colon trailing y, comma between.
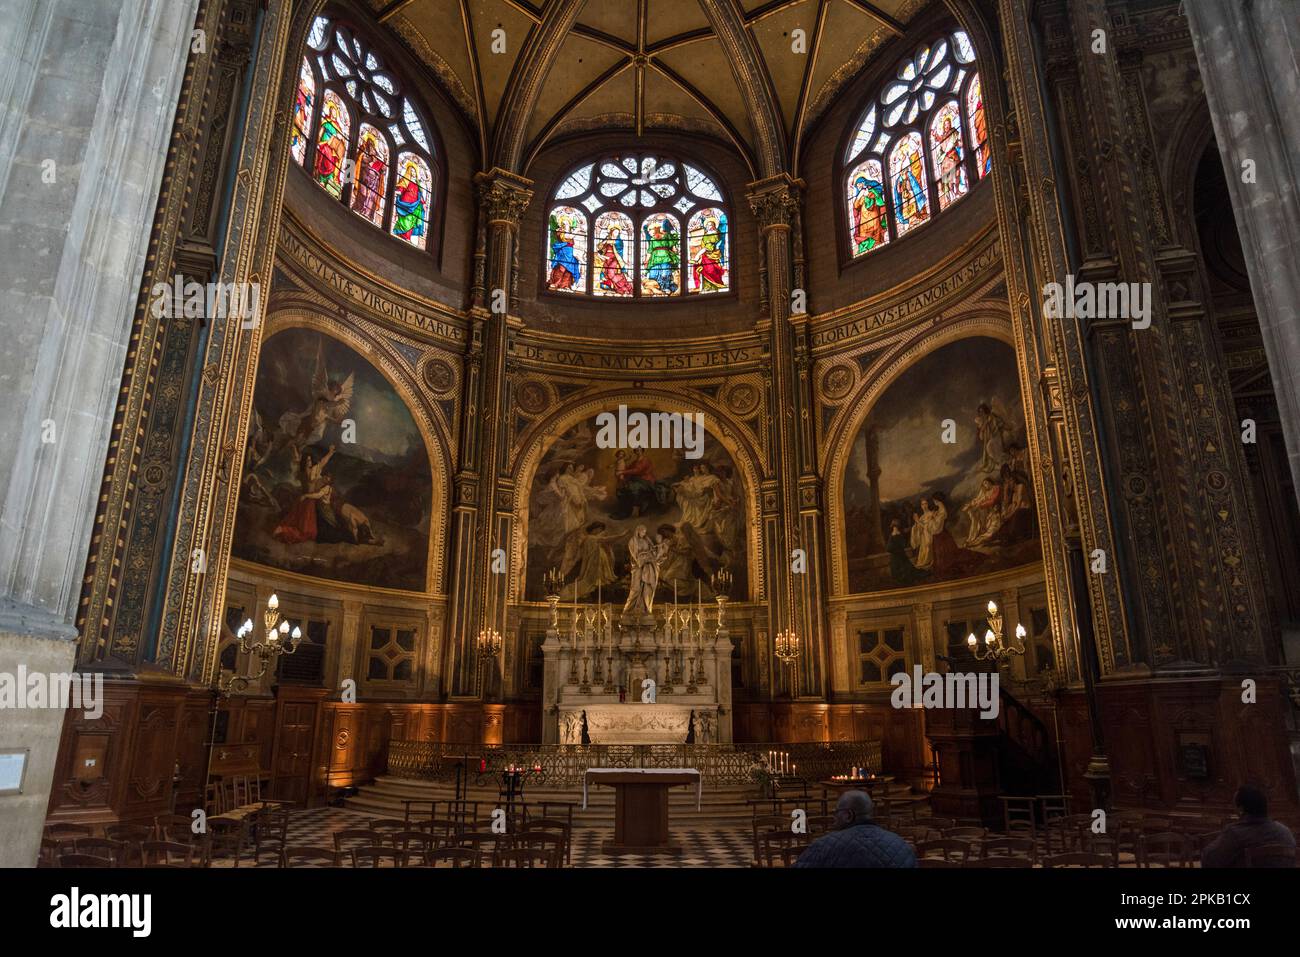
x: 979, y: 132
x: 946, y: 154
x: 567, y: 234
x: 351, y: 116
x: 707, y: 250
x: 304, y: 106
x: 910, y: 146
x: 613, y: 246
x: 411, y: 201
x: 636, y: 205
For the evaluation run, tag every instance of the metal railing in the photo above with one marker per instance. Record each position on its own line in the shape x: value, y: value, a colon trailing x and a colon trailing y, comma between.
x: 562, y: 765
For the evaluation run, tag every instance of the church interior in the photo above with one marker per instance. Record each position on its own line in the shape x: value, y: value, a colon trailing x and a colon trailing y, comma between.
x: 605, y: 433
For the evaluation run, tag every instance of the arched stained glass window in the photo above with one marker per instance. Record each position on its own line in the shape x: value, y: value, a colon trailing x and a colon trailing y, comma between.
x: 304, y: 107
x: 922, y: 139
x: 567, y: 234
x: 351, y: 116
x: 640, y: 227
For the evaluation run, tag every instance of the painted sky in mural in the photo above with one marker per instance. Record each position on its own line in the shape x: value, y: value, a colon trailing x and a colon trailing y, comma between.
x: 313, y: 502
x: 586, y: 502
x: 919, y: 510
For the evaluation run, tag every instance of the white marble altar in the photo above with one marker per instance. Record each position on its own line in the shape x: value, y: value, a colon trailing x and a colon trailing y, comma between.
x: 588, y: 658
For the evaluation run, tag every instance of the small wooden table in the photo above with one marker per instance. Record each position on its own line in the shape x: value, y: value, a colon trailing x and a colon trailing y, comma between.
x: 641, y: 806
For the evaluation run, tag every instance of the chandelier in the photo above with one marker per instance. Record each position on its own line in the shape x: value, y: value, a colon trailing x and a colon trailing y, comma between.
x: 279, y: 640
x: 488, y: 643
x: 787, y: 646
x: 995, y: 646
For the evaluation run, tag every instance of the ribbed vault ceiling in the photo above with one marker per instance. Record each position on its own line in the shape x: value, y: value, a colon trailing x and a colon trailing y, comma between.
x: 722, y: 67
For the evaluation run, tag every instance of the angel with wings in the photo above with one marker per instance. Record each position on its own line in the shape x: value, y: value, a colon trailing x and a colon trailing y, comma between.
x: 330, y: 401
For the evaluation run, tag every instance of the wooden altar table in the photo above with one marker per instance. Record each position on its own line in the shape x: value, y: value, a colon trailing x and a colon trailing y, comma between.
x: 641, y: 806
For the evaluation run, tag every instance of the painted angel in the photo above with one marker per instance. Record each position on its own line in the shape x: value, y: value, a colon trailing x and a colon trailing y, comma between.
x: 330, y: 402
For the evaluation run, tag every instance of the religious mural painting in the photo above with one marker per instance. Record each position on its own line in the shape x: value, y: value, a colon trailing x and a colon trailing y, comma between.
x: 920, y: 510
x: 591, y: 508
x: 337, y: 482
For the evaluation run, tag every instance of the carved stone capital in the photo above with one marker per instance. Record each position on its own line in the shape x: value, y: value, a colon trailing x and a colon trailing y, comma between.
x: 503, y: 196
x: 775, y: 201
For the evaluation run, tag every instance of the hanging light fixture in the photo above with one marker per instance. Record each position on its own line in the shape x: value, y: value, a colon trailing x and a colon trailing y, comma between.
x: 280, y: 639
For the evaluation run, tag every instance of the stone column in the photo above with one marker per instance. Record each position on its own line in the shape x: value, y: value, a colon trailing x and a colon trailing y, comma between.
x: 1247, y: 55
x: 345, y: 665
x: 86, y: 106
x: 792, y: 488
x: 482, y: 517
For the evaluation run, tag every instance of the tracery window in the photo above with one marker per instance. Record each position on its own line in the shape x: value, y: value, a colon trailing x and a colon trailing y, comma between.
x: 637, y: 226
x: 922, y: 140
x: 361, y: 138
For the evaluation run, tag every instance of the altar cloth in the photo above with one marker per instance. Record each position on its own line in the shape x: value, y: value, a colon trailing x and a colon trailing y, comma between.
x: 650, y: 773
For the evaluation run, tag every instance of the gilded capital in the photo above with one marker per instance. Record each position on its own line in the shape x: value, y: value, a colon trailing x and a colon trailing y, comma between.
x: 503, y: 196
x: 775, y: 201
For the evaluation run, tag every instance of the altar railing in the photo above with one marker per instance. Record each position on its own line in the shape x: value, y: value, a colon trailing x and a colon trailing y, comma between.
x: 562, y: 765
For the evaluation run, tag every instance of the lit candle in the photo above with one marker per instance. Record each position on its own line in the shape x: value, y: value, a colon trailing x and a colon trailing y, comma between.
x: 971, y: 640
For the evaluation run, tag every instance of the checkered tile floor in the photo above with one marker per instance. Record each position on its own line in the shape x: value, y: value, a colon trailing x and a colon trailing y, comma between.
x: 714, y: 847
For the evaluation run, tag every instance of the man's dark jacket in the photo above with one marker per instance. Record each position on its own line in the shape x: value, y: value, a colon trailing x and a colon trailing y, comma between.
x: 860, y: 845
x: 1229, y: 850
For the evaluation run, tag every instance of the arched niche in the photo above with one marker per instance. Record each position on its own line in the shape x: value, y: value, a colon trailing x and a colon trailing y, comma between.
x: 393, y: 475
x: 939, y: 382
x: 570, y: 434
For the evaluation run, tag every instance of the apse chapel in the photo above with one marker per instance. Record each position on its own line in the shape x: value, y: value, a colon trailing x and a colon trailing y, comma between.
x: 350, y: 544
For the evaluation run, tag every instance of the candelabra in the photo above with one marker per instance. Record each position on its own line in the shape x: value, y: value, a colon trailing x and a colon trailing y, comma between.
x: 995, y: 646
x: 787, y: 646
x: 279, y: 640
x: 488, y: 645
x: 553, y: 581
x: 721, y: 583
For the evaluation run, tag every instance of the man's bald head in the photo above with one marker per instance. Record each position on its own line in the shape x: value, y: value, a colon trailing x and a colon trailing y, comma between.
x: 853, y: 807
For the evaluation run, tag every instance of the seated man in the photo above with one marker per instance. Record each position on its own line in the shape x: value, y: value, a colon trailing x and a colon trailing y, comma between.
x: 1254, y: 829
x: 857, y: 840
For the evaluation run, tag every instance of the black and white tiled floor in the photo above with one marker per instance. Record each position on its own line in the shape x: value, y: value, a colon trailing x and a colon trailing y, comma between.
x: 701, y: 847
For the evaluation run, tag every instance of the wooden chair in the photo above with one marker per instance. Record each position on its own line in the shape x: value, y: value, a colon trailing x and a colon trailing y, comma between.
x: 1018, y: 816
x: 932, y: 828
x: 453, y: 857
x: 948, y: 849
x: 819, y: 824
x: 999, y: 861
x: 271, y: 829
x: 552, y: 825
x: 1052, y: 806
x: 73, y: 859
x: 115, y: 851
x: 1067, y: 833
x: 345, y: 840
x: 763, y: 824
x: 1075, y: 859
x: 972, y: 834
x: 1271, y: 855
x: 49, y: 854
x: 930, y: 863
x: 415, y: 843
x: 388, y: 825
x: 377, y: 856
x: 485, y: 843
x: 1010, y: 847
x: 526, y: 857
x: 543, y: 841
x: 174, y: 827
x: 1163, y: 849
x: 166, y: 854
x: 226, y: 835
x: 131, y: 836
x: 306, y: 856
x: 782, y: 845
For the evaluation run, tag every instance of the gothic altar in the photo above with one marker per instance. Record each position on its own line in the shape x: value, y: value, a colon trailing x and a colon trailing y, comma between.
x: 684, y: 651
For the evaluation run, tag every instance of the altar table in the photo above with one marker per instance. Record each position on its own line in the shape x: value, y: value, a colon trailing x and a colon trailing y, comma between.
x: 641, y: 806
